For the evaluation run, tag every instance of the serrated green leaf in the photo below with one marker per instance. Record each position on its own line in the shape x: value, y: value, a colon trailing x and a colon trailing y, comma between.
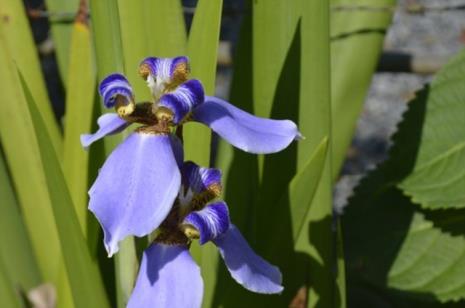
x: 452, y: 70
x: 356, y: 42
x: 202, y: 51
x: 392, y: 243
x: 18, y: 38
x: 17, y: 255
x: 61, y: 32
x: 377, y: 210
x: 84, y: 276
x: 438, y: 178
x: 430, y: 261
x: 79, y: 100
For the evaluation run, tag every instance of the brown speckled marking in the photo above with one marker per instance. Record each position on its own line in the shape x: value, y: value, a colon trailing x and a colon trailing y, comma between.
x: 83, y: 13
x: 144, y: 71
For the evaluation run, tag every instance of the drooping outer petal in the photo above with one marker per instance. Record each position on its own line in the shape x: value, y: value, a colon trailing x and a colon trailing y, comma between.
x: 246, y: 267
x: 243, y: 130
x: 136, y: 188
x: 168, y: 278
x: 109, y: 124
x: 212, y: 221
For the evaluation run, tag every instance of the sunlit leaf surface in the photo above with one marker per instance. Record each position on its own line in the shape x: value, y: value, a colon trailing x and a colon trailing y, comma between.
x: 84, y: 276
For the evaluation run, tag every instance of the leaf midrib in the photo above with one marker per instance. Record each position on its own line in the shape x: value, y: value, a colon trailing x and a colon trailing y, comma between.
x: 456, y: 148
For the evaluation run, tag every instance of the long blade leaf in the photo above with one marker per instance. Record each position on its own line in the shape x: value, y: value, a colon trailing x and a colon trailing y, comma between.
x: 18, y: 257
x: 22, y: 155
x: 84, y: 276
x: 61, y: 32
x: 8, y: 296
x: 202, y: 51
x: 19, y: 40
x: 356, y: 42
x: 79, y: 100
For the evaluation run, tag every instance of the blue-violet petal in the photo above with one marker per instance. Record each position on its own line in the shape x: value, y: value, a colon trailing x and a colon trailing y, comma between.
x: 178, y: 149
x: 108, y: 124
x: 246, y: 267
x: 212, y: 221
x: 197, y: 178
x: 164, y: 68
x: 182, y: 100
x: 115, y: 85
x: 135, y: 189
x: 168, y: 277
x: 243, y: 130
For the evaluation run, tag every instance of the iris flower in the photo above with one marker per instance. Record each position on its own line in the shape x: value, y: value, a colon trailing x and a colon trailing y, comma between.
x: 168, y: 276
x: 138, y: 183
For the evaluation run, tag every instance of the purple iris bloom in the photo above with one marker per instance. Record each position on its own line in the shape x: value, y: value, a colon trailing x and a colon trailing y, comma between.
x: 136, y: 187
x: 168, y: 276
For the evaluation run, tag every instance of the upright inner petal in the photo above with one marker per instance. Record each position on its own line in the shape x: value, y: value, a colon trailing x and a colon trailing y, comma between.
x: 164, y: 74
x: 183, y: 99
x: 116, y: 86
x: 211, y: 222
x: 199, y: 186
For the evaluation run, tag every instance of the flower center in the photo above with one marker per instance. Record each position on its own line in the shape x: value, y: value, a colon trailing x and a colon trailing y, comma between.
x: 172, y: 230
x: 158, y: 87
x: 185, y: 196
